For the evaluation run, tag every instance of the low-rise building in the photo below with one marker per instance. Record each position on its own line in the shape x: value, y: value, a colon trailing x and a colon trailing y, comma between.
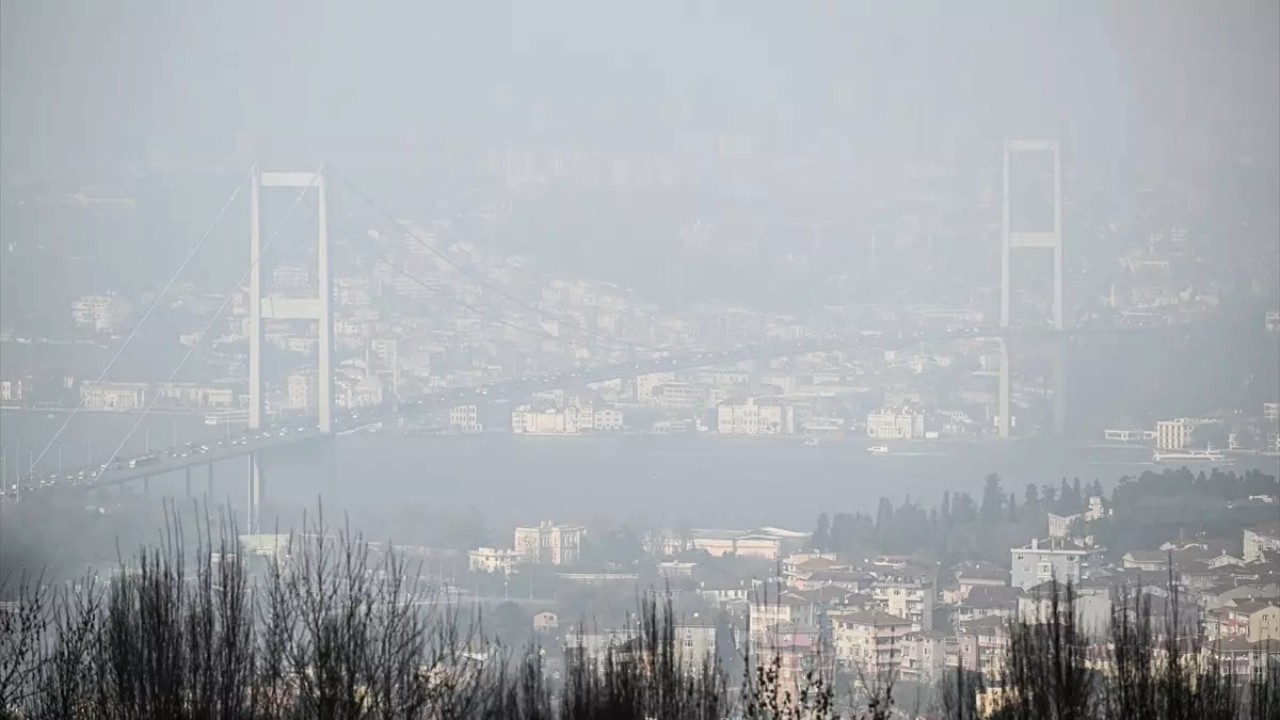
x: 549, y: 543
x: 492, y: 560
x: 755, y: 416
x: 114, y: 396
x: 895, y: 424
x: 527, y: 421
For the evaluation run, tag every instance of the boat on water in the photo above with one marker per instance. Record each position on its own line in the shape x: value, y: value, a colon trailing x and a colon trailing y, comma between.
x: 1207, y: 455
x: 878, y: 449
x: 811, y: 442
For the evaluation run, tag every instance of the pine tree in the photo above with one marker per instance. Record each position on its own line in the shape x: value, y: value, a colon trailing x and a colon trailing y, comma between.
x: 1013, y: 507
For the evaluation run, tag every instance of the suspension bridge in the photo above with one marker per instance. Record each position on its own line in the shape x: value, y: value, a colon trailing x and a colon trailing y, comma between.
x: 263, y: 436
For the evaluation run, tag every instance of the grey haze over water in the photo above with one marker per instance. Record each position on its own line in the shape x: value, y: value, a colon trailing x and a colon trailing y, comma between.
x: 699, y: 480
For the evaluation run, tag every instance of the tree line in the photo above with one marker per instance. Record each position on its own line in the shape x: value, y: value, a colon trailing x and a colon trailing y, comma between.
x: 1147, y: 510
x: 331, y: 627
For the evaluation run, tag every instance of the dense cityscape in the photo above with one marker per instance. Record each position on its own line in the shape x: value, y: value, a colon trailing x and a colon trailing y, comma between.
x: 769, y: 411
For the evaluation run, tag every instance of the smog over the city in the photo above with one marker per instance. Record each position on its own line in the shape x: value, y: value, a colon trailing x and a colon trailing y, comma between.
x: 703, y: 359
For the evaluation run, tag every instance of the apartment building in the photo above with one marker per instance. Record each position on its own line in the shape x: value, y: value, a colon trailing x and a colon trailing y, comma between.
x: 927, y: 655
x: 303, y: 391
x: 1058, y: 559
x: 982, y: 645
x: 464, y: 419
x: 551, y: 544
x: 906, y: 594
x: 765, y: 614
x: 1261, y: 542
x: 695, y: 638
x: 871, y: 641
x: 102, y: 313
x: 1177, y: 434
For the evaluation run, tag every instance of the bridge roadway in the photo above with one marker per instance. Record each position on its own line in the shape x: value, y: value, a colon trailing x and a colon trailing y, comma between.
x: 291, y: 433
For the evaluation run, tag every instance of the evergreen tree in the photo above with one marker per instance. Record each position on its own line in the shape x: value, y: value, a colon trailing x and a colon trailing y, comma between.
x: 1048, y: 498
x: 884, y: 520
x: 963, y: 510
x: 1032, y: 499
x: 1013, y: 507
x: 1095, y: 490
x: 992, y: 500
x: 822, y: 534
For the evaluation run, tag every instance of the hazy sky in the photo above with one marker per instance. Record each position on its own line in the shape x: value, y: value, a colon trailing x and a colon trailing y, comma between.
x: 93, y: 84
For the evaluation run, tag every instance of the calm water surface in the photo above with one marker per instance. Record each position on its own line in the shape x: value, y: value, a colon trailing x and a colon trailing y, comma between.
x: 701, y: 480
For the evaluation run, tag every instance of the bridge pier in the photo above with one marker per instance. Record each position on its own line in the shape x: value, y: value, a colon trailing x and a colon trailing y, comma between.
x: 331, y: 471
x: 1002, y: 408
x: 1060, y: 386
x: 257, y: 491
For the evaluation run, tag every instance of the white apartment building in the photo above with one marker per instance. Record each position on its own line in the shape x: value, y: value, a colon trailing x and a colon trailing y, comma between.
x: 1271, y: 412
x: 548, y: 543
x: 1044, y: 560
x: 895, y: 424
x: 1176, y: 434
x: 114, y: 396
x: 10, y: 390
x: 464, y: 419
x: 872, y: 641
x: 100, y: 312
x: 755, y: 416
x: 491, y: 560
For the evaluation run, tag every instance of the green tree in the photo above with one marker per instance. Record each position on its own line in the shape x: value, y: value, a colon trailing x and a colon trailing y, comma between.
x: 1031, y: 499
x: 963, y: 510
x: 822, y: 534
x: 992, y: 500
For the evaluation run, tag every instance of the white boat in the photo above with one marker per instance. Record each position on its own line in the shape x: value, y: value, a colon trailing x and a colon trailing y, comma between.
x: 811, y: 442
x: 878, y: 449
x: 1208, y: 455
